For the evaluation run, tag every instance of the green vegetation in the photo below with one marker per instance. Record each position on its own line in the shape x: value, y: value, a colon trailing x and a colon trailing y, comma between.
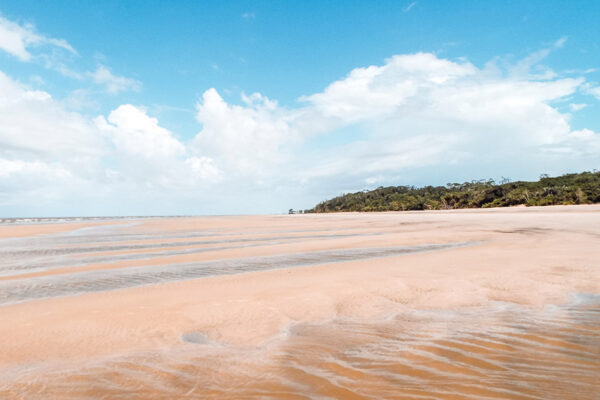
x: 583, y: 188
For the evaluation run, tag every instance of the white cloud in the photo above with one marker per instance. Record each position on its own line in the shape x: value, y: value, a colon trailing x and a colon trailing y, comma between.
x: 593, y: 90
x: 10, y: 168
x: 46, y: 152
x: 136, y: 134
x: 18, y: 40
x: 80, y: 99
x: 34, y: 184
x: 32, y: 124
x: 51, y: 158
x: 577, y: 107
x: 420, y: 111
x: 146, y: 154
x: 378, y: 90
x: 113, y: 83
x: 416, y: 111
x: 409, y: 7
x: 415, y: 119
x: 204, y: 168
x: 530, y: 67
x: 25, y: 43
x: 248, y: 140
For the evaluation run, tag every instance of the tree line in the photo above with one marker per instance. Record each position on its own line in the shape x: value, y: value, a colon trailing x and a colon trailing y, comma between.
x: 581, y: 188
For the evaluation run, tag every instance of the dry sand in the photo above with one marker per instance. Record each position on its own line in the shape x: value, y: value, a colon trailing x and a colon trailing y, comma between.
x: 513, y: 303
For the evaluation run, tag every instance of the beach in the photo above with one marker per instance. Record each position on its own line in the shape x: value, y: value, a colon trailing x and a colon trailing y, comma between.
x: 478, y: 304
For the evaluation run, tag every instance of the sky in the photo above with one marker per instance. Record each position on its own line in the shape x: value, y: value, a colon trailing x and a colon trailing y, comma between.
x: 243, y: 107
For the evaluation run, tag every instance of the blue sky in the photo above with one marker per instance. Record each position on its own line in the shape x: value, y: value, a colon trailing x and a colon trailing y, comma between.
x: 245, y: 107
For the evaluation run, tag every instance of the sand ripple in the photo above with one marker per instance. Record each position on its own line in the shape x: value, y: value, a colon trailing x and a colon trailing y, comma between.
x: 498, y: 352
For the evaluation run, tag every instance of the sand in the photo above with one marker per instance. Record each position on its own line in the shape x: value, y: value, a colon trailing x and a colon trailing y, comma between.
x: 517, y: 271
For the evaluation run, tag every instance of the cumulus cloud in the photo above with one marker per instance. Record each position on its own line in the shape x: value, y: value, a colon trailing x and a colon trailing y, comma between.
x: 414, y: 119
x: 46, y: 151
x: 419, y: 110
x: 148, y: 154
x: 414, y: 111
x: 374, y: 91
x: 33, y: 125
x: 136, y: 134
x: 248, y: 139
x: 19, y: 40
x: 51, y: 157
x: 113, y: 83
x: 204, y: 168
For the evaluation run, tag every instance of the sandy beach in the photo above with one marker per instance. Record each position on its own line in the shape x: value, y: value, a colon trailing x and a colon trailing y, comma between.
x: 478, y: 304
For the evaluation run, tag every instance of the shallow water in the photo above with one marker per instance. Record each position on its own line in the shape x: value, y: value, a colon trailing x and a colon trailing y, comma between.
x: 28, y: 254
x: 19, y: 290
x: 109, y: 244
x: 501, y: 351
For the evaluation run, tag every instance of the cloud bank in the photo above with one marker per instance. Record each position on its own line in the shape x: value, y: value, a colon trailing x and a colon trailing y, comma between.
x: 414, y: 119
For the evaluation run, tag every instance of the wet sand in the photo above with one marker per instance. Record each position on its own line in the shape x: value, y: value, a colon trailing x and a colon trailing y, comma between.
x: 477, y: 304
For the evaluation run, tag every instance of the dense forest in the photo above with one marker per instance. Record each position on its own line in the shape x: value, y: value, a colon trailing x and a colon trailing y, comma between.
x: 582, y: 188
